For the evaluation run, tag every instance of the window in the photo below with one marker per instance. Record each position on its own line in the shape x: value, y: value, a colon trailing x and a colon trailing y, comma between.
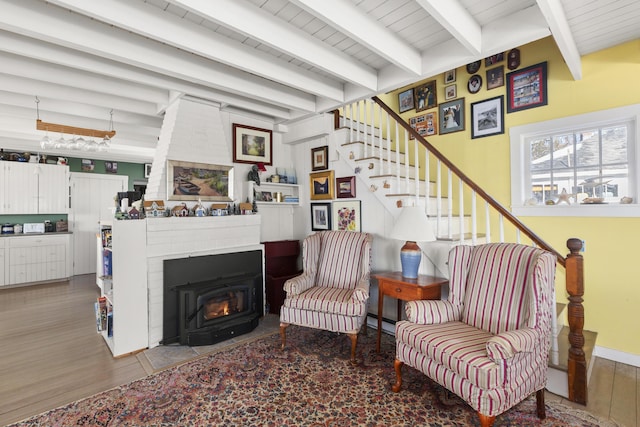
x: 582, y: 165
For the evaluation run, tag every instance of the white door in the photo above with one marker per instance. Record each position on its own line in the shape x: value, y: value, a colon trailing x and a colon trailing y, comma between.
x: 92, y: 200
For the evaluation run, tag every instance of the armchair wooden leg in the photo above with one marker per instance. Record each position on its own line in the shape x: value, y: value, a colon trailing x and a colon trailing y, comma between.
x: 354, y: 344
x: 397, y: 365
x: 540, y: 404
x: 283, y: 334
x: 486, y: 420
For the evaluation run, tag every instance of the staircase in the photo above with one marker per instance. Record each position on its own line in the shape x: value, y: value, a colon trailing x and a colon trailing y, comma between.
x: 401, y: 168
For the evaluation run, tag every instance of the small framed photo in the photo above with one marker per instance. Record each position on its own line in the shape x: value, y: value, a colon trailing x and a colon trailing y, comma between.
x: 320, y: 158
x: 147, y: 170
x: 346, y: 187
x: 320, y: 216
x: 451, y: 116
x: 473, y: 67
x: 111, y: 167
x: 527, y: 88
x: 450, y: 92
x: 450, y: 76
x: 266, y: 196
x: 493, y: 59
x: 87, y: 165
x: 495, y: 77
x: 405, y: 101
x: 347, y: 215
x: 425, y: 124
x: 252, y: 145
x: 425, y: 96
x: 322, y: 185
x: 487, y: 117
x: 474, y: 84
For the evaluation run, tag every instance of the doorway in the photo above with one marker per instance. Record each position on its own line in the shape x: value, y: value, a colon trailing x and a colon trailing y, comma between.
x: 92, y: 200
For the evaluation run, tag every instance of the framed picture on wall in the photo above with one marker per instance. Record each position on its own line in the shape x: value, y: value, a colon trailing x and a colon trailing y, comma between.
x: 425, y: 96
x: 451, y: 116
x: 147, y: 170
x: 198, y: 181
x: 320, y: 216
x: 487, y: 117
x: 347, y: 215
x: 322, y: 185
x: 527, y: 88
x: 405, y: 101
x: 320, y: 158
x: 346, y: 187
x: 251, y: 145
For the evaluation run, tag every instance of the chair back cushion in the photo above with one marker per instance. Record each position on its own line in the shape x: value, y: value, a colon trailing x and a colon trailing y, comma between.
x: 503, y: 286
x: 341, y: 257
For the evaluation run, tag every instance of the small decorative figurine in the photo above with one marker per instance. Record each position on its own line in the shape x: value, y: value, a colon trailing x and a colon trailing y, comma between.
x: 254, y: 175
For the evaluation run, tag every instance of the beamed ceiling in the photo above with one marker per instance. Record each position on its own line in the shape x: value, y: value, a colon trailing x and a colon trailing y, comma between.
x: 276, y: 59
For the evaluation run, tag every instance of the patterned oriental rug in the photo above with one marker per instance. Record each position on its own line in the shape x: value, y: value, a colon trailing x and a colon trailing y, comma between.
x: 311, y: 383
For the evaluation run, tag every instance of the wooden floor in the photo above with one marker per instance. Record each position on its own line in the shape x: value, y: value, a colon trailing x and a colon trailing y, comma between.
x: 51, y: 355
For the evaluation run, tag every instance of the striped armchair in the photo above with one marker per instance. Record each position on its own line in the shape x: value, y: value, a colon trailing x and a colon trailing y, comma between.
x: 489, y: 342
x: 332, y: 293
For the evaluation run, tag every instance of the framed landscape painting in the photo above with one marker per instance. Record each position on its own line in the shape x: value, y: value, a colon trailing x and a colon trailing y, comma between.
x: 199, y: 181
x: 252, y: 145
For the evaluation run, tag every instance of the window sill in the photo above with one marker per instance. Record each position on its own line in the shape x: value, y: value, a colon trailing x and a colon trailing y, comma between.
x: 613, y: 210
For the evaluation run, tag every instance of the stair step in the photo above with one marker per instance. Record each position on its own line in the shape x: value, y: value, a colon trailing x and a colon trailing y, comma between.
x: 563, y: 348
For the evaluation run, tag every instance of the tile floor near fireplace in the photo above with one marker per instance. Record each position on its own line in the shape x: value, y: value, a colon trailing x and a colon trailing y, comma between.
x: 165, y: 356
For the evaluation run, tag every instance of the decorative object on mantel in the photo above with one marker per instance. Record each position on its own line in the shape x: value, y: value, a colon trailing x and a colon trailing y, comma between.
x: 412, y: 226
x: 254, y: 175
x: 77, y: 142
x: 154, y: 208
x: 180, y: 210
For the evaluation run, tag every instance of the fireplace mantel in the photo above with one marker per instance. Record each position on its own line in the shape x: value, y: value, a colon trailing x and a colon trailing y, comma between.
x: 170, y: 238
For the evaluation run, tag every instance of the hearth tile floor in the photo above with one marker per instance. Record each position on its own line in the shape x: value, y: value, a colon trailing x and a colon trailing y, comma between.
x: 164, y: 356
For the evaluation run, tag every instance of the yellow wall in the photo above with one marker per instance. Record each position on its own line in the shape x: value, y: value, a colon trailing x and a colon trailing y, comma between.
x: 609, y: 79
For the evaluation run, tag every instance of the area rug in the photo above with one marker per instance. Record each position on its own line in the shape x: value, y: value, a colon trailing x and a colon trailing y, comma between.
x: 310, y: 383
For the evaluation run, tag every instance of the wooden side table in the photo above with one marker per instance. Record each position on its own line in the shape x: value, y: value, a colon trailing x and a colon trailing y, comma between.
x: 403, y: 289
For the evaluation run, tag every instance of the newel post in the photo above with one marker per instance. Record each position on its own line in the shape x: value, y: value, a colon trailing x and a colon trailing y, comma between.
x: 577, y: 365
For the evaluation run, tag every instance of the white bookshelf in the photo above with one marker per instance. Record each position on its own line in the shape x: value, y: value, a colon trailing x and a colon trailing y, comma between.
x: 126, y: 289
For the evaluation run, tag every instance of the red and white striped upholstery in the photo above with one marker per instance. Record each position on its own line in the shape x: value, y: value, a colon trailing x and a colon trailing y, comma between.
x: 489, y: 342
x: 333, y: 291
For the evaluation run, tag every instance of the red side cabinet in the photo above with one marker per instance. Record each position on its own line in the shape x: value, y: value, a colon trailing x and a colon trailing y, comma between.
x: 281, y: 264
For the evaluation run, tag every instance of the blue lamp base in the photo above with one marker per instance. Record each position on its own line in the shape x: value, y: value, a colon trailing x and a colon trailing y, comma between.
x: 410, y: 257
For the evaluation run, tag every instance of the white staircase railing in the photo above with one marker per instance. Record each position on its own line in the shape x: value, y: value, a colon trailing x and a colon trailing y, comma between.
x: 411, y: 169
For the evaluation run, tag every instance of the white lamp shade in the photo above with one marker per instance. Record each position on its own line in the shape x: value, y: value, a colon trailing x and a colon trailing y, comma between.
x: 413, y: 225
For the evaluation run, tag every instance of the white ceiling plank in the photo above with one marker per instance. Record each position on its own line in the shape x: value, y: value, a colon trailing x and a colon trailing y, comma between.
x: 557, y: 20
x: 272, y: 31
x: 139, y: 80
x: 50, y: 23
x: 520, y: 28
x: 19, y: 84
x: 348, y: 19
x: 455, y: 18
x: 153, y: 23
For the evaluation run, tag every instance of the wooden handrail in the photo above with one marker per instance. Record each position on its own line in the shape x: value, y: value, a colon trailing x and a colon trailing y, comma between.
x: 475, y: 187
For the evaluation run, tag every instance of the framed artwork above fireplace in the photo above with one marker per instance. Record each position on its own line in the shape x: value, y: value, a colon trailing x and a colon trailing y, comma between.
x: 199, y: 181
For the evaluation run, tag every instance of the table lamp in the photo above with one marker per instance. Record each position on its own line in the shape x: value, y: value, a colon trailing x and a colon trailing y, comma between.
x: 412, y: 225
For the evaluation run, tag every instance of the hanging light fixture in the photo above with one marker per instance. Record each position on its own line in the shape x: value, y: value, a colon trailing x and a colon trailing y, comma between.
x: 76, y: 142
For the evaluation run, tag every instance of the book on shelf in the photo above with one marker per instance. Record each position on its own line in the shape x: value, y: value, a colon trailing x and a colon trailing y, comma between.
x: 101, y: 314
x: 105, y: 235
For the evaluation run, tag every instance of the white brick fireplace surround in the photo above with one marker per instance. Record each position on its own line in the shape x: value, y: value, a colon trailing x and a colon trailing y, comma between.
x: 170, y: 238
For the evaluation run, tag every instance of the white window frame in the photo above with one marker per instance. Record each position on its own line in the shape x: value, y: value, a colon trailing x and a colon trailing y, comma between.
x: 521, y: 171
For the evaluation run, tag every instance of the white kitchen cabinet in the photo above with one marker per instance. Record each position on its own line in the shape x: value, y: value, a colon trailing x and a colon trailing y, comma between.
x: 37, y: 258
x: 33, y: 188
x: 126, y: 288
x: 2, y: 261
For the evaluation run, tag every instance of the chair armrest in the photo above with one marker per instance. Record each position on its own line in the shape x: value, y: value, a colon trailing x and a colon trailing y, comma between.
x: 299, y: 284
x: 508, y: 344
x: 361, y: 291
x: 428, y: 312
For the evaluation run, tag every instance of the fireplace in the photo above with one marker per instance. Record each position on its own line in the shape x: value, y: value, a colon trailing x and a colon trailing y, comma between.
x: 208, y: 299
